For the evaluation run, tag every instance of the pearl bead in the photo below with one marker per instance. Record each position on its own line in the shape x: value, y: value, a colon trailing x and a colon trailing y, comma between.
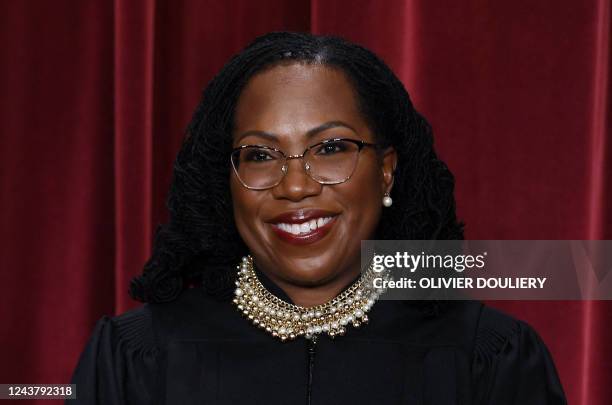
x: 387, y: 201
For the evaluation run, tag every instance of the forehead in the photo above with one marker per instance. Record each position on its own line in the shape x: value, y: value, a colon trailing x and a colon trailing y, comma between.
x: 291, y: 99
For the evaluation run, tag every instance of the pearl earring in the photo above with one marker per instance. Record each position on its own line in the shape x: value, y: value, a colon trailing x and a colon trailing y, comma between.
x: 387, y: 201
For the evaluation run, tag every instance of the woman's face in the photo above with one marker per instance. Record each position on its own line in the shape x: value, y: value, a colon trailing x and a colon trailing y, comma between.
x: 279, y: 108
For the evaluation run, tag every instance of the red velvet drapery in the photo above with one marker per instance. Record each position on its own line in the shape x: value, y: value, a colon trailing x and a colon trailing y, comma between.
x: 95, y: 96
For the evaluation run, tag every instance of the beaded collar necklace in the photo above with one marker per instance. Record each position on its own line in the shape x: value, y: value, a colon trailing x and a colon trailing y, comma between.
x: 288, y: 321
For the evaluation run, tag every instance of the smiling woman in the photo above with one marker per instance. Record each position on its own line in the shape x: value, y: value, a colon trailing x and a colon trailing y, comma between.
x: 302, y: 147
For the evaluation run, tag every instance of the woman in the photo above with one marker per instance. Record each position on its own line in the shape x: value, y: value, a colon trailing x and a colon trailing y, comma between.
x: 301, y: 147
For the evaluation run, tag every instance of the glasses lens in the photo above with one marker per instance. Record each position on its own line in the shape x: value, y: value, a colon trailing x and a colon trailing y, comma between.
x: 258, y: 167
x: 332, y: 161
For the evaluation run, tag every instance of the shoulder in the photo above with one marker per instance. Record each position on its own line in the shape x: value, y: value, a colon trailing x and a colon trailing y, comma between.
x: 121, y: 349
x: 140, y: 327
x: 132, y: 330
x: 137, y: 336
x: 495, y: 330
x: 498, y: 332
x: 194, y: 314
x: 511, y: 363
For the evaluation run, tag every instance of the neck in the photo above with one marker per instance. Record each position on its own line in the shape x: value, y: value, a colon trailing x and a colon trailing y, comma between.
x: 310, y: 296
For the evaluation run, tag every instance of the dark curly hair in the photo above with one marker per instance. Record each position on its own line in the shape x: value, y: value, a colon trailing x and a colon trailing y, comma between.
x: 200, y: 242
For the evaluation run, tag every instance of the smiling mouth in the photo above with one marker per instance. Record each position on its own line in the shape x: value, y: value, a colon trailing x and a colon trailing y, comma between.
x: 304, y: 228
x: 306, y: 232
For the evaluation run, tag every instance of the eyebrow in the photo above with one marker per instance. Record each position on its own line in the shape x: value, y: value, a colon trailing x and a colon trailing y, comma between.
x: 309, y: 134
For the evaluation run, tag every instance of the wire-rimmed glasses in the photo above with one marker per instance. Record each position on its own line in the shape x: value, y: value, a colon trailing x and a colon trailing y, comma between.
x: 333, y: 161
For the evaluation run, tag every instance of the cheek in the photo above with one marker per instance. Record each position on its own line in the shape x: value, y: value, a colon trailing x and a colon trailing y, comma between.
x: 363, y: 203
x: 366, y: 216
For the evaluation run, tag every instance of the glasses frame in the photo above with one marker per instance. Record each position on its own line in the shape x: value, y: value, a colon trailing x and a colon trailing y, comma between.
x: 284, y: 169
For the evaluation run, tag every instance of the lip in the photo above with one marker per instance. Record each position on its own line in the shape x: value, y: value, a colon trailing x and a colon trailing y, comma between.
x: 299, y: 216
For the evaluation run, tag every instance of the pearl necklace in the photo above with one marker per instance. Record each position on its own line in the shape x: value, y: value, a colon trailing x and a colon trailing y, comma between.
x: 287, y: 321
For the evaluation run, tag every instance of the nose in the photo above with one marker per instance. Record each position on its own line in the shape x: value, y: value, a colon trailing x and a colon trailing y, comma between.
x: 296, y: 183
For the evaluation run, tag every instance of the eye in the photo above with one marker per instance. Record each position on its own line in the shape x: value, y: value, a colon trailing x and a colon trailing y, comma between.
x: 257, y: 155
x: 330, y: 148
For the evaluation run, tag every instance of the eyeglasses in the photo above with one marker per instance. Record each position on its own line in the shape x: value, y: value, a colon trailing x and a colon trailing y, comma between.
x: 332, y: 161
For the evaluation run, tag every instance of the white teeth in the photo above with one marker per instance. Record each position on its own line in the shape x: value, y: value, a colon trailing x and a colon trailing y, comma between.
x: 305, y: 227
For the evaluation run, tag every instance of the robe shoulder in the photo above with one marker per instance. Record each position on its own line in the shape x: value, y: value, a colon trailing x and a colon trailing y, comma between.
x: 511, y: 363
x: 119, y: 362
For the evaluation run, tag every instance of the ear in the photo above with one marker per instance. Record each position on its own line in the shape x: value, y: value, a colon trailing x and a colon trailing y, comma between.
x: 389, y: 164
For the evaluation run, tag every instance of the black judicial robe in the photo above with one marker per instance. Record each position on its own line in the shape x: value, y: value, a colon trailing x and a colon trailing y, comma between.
x: 199, y: 350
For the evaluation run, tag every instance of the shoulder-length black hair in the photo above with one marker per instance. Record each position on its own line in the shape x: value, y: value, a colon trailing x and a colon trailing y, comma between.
x: 200, y: 241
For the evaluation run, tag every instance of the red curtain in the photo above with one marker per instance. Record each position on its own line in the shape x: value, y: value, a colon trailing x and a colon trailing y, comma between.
x: 96, y: 95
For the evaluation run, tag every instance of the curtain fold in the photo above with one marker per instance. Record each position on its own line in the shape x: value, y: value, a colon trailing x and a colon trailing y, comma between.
x: 134, y: 55
x: 600, y: 196
x: 596, y: 375
x: 96, y: 97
